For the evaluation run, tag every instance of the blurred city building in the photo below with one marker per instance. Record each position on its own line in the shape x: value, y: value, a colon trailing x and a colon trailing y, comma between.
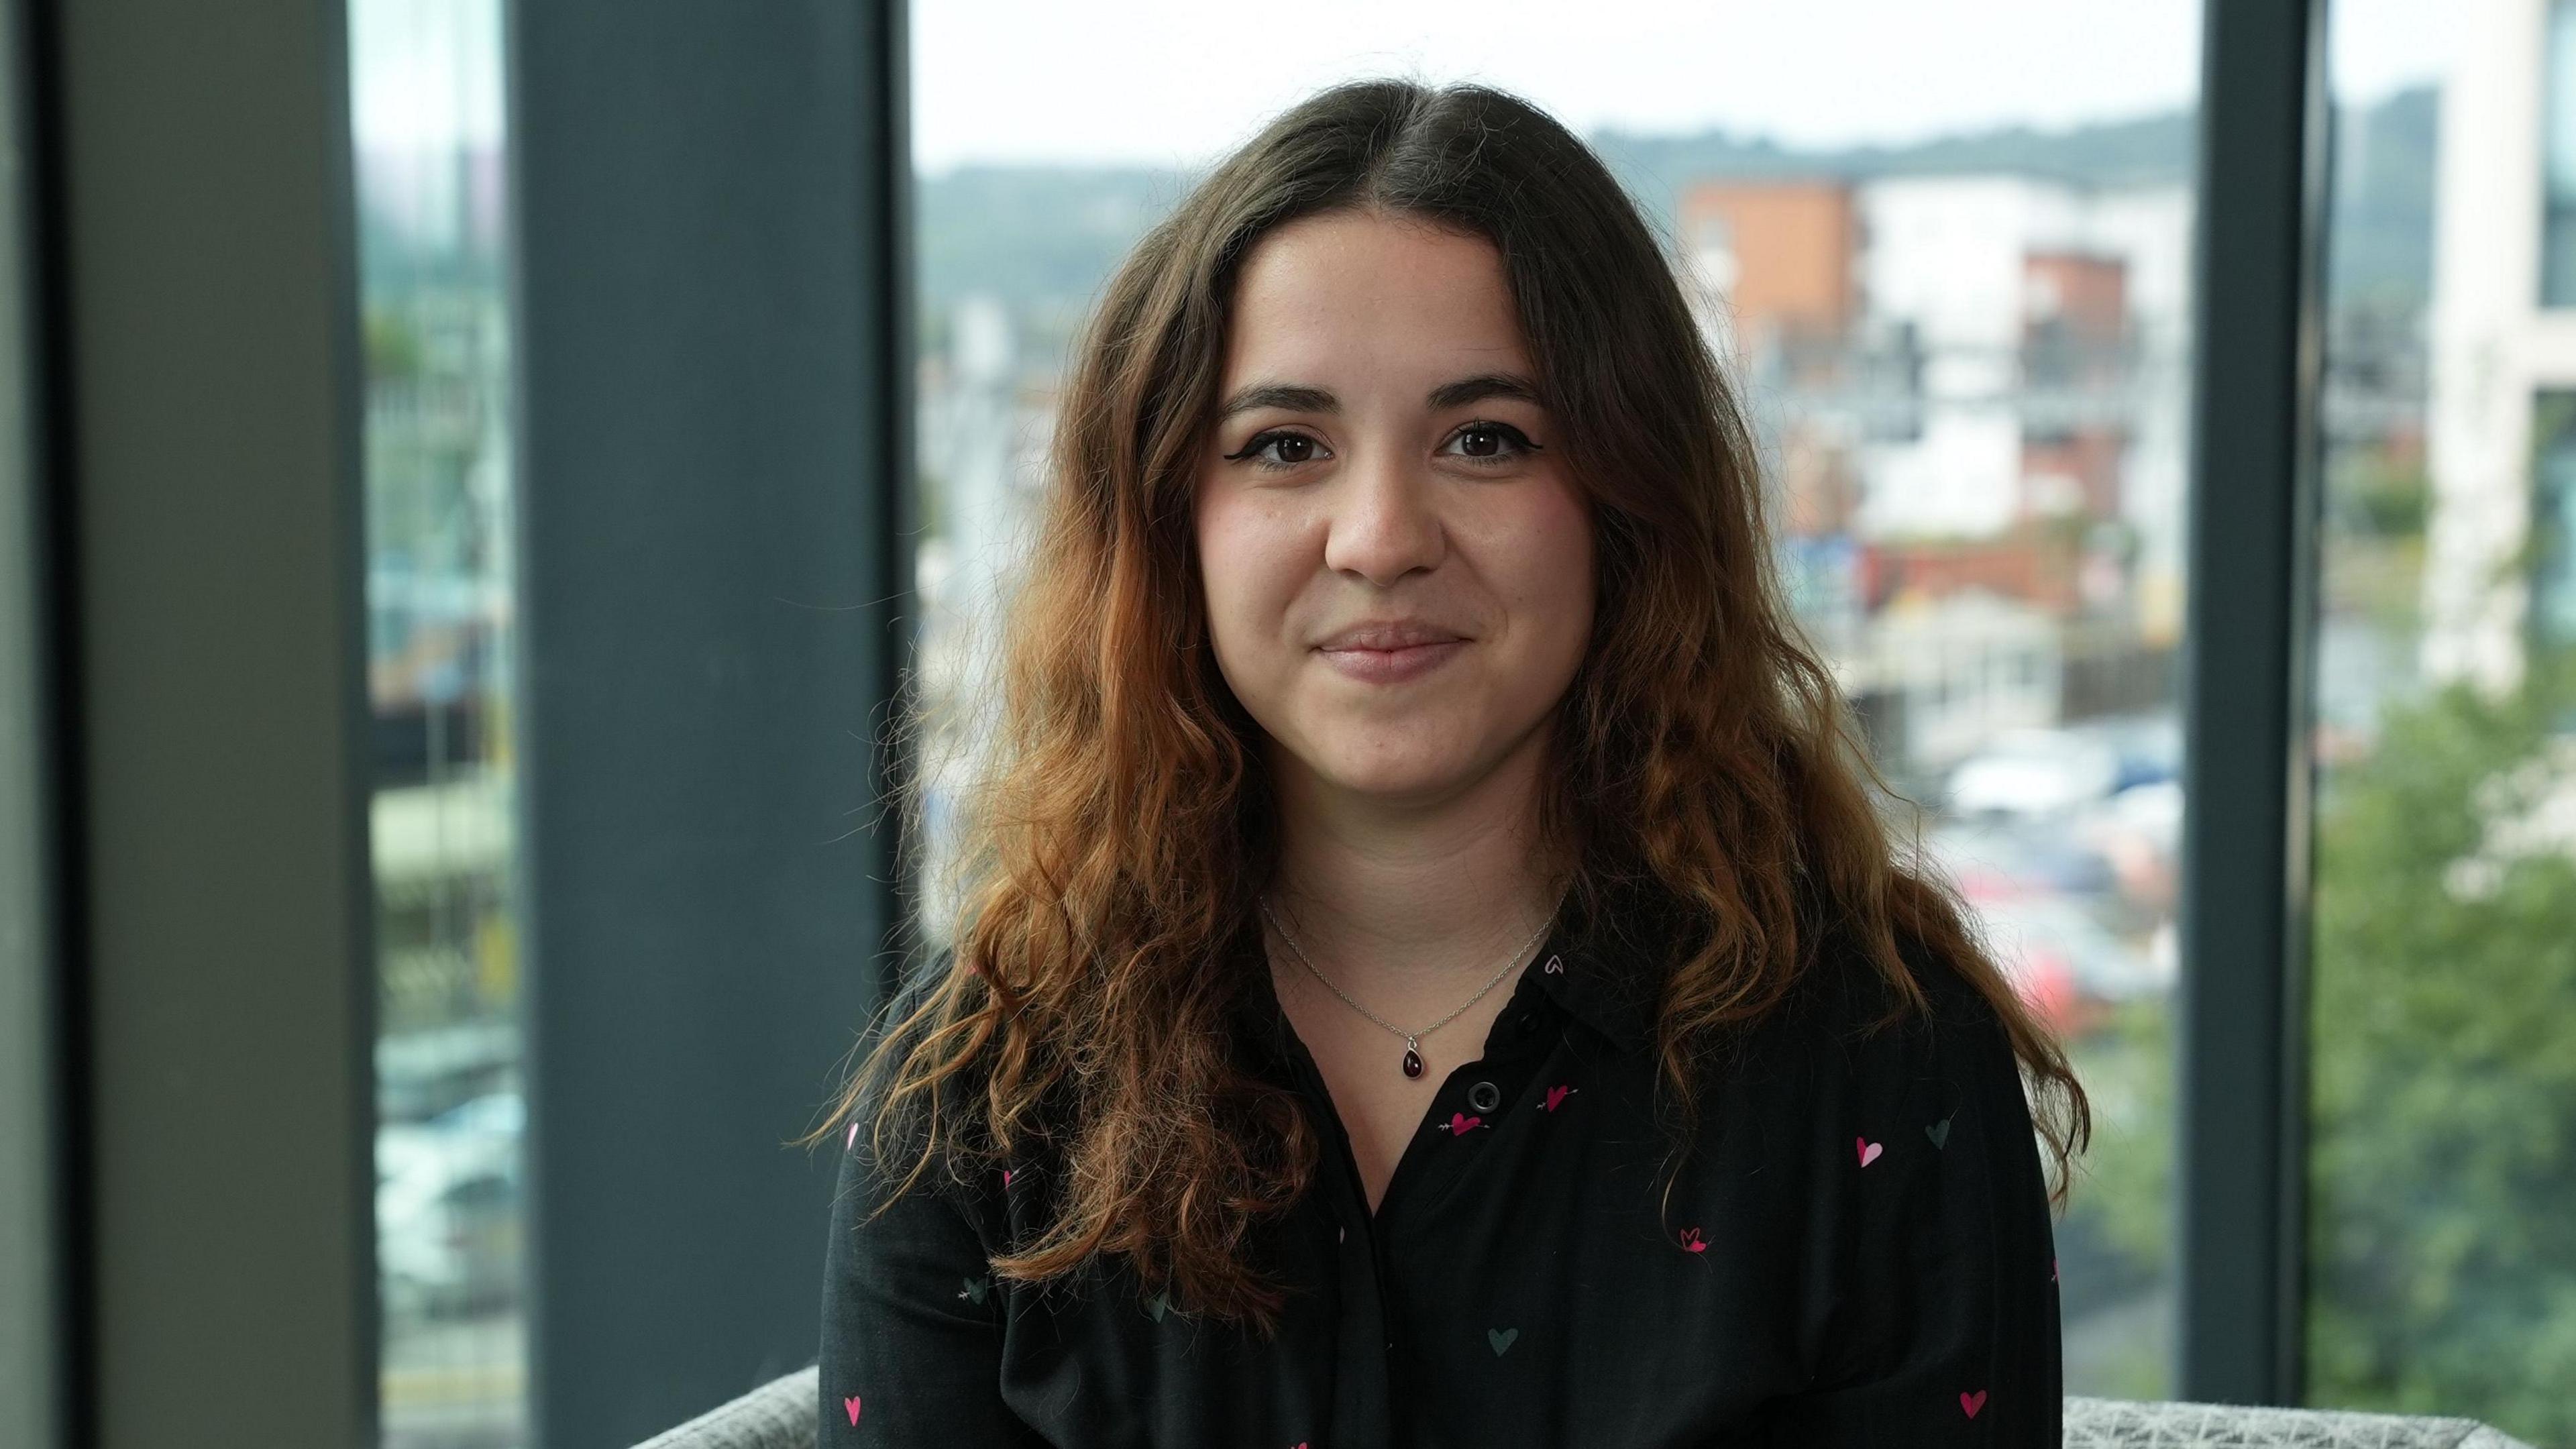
x: 441, y: 593
x: 2501, y: 540
x: 1971, y: 387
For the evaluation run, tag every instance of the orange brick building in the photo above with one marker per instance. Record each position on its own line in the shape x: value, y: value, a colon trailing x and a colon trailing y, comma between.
x: 1780, y: 252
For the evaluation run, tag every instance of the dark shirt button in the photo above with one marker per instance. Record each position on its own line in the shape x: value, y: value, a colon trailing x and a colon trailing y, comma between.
x: 1484, y: 1096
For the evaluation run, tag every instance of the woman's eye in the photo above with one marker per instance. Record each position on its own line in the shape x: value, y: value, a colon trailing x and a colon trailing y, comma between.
x: 1492, y: 444
x: 1280, y: 450
x: 1487, y: 445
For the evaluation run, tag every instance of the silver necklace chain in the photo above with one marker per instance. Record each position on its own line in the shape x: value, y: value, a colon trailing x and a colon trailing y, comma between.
x: 1412, y: 1039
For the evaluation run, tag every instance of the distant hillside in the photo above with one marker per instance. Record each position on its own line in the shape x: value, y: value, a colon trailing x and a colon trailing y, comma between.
x: 2149, y: 149
x: 1042, y: 238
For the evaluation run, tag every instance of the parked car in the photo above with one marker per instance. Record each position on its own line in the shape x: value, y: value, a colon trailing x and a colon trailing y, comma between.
x: 449, y: 1218
x: 2034, y: 774
x: 2054, y: 943
x: 2007, y: 856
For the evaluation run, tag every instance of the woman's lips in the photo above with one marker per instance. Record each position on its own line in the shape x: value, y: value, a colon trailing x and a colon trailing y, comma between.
x: 1392, y: 666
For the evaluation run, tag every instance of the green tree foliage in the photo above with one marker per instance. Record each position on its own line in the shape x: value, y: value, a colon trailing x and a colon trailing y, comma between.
x: 2443, y: 1164
x: 2122, y: 1194
x: 394, y: 351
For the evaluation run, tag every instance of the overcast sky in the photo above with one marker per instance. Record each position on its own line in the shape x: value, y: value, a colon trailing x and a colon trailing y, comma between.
x: 1178, y: 81
x: 1182, y: 80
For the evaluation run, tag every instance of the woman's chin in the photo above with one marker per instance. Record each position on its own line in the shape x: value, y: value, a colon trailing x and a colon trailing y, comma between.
x: 1401, y: 782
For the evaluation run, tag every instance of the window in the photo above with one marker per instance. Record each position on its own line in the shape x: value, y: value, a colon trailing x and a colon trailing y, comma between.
x: 1952, y: 266
x: 2553, y: 521
x: 1952, y: 269
x: 2557, y: 131
x: 426, y: 107
x: 2441, y: 1257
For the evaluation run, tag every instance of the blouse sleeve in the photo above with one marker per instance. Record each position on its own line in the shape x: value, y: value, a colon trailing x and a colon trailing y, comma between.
x: 1949, y: 1285
x: 912, y: 1337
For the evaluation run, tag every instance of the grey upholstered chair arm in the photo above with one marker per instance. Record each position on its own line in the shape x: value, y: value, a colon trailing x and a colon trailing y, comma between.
x: 781, y: 1415
x: 2119, y: 1424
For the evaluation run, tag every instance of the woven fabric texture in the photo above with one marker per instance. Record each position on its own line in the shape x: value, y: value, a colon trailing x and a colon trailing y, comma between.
x: 780, y: 1415
x: 777, y: 1415
x: 2118, y: 1424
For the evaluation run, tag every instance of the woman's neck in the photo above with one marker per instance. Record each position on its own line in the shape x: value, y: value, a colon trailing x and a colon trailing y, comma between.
x: 1405, y: 900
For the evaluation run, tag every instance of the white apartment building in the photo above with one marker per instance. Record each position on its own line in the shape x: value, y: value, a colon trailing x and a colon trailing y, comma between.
x: 2503, y: 342
x: 1948, y: 258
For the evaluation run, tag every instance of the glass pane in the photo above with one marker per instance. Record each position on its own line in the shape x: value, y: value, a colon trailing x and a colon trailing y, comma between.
x: 426, y: 105
x: 2558, y: 160
x: 2442, y: 1256
x: 1951, y: 264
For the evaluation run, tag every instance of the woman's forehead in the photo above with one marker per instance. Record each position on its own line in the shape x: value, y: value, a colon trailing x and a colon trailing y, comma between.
x: 1349, y: 301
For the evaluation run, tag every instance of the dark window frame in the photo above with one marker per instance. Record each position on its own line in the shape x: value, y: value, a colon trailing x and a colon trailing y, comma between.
x: 710, y: 271
x: 34, y: 1206
x: 2248, y: 762
x: 204, y: 846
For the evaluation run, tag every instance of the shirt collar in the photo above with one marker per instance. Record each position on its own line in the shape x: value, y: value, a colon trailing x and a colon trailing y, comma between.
x: 1602, y: 969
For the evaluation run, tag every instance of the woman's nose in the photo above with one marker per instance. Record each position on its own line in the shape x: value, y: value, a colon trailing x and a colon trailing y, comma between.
x: 1385, y: 519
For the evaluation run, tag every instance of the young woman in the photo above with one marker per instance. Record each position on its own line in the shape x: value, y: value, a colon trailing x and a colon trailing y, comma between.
x: 1433, y: 973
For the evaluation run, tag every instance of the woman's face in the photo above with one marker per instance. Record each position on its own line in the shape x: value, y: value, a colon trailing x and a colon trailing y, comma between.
x: 1398, y: 566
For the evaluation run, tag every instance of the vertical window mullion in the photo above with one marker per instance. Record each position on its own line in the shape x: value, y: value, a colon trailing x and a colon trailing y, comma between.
x: 712, y: 598
x: 202, y: 367
x: 2248, y: 761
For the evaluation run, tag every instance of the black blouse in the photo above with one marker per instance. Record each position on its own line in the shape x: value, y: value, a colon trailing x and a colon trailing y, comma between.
x: 1856, y: 1251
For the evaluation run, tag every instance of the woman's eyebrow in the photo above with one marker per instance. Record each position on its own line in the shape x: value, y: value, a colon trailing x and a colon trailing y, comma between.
x: 1285, y: 396
x: 1301, y: 398
x: 1480, y: 387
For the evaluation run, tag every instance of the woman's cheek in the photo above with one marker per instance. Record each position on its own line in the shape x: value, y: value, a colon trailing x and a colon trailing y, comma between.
x: 1246, y: 622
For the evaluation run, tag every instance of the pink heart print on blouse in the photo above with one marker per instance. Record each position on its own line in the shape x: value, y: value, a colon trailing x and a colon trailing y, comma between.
x: 1693, y: 1242
x: 1556, y: 1095
x: 1460, y: 1123
x: 1006, y: 1175
x: 852, y: 1404
x: 852, y: 1140
x: 1868, y: 1150
x: 1971, y: 1403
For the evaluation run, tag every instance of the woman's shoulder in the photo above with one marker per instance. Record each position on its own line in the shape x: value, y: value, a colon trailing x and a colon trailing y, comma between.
x: 908, y: 1014
x: 1847, y: 1017
x: 928, y: 1067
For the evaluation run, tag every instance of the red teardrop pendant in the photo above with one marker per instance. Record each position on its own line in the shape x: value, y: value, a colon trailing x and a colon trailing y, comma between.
x: 1412, y: 1062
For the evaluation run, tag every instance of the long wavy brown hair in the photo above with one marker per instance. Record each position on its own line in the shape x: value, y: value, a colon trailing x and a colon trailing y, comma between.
x: 1116, y: 838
